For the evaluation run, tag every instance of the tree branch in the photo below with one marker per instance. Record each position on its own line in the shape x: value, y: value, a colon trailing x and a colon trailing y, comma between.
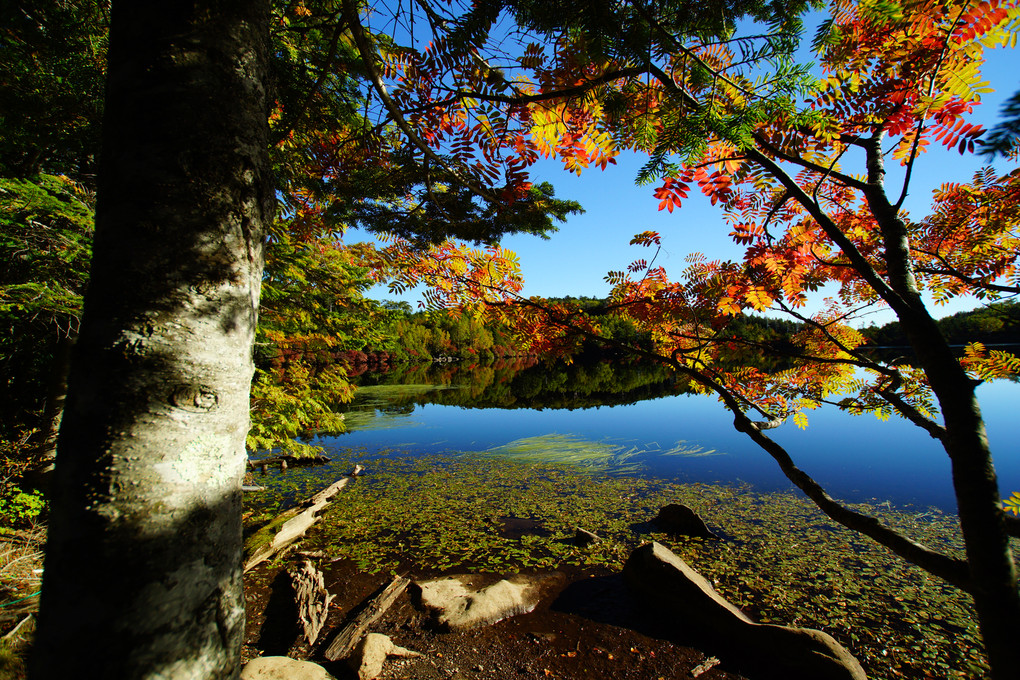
x: 950, y: 270
x: 520, y: 99
x: 856, y: 258
x: 950, y: 569
x: 368, y: 55
x: 908, y: 411
x: 324, y: 73
x: 894, y: 232
x: 920, y: 123
x: 824, y: 171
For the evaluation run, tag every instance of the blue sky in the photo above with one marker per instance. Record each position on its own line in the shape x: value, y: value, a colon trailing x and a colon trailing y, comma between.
x: 577, y: 257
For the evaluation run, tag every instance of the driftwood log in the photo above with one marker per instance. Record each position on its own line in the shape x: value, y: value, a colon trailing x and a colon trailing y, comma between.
x: 312, y: 599
x: 356, y: 627
x: 288, y: 527
x: 670, y: 584
x: 705, y: 666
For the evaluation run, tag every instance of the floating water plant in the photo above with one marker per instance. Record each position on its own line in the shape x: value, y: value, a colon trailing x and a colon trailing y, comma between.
x: 689, y: 450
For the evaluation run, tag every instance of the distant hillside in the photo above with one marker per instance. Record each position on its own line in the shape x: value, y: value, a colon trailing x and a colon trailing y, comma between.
x: 750, y: 327
x: 997, y: 323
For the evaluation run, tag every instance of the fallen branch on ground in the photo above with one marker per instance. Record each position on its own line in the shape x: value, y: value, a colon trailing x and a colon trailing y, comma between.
x: 288, y: 527
x: 371, y: 611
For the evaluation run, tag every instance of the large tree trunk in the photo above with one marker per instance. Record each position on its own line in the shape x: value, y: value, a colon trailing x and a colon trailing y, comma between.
x: 143, y: 561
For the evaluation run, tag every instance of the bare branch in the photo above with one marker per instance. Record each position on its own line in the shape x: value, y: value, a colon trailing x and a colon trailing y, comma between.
x: 950, y: 569
x: 796, y: 160
x: 950, y: 270
x: 912, y: 414
x: 521, y: 99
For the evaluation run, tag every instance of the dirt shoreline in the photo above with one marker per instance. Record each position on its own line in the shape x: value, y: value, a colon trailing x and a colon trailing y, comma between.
x: 587, y: 626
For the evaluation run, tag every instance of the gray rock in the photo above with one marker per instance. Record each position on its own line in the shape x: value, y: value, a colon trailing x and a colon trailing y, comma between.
x: 458, y: 603
x: 370, y: 655
x: 665, y: 579
x: 283, y: 668
x: 677, y: 518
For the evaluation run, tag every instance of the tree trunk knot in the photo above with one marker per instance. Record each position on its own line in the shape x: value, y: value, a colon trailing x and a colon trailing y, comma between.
x: 194, y: 398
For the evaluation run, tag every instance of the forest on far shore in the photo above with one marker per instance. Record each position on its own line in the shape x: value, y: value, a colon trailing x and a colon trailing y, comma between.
x: 997, y: 323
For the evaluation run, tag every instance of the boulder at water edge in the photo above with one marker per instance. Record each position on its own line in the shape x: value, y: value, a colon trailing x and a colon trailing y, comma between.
x: 677, y: 518
x: 456, y: 603
x: 370, y: 655
x: 798, y: 653
x: 283, y: 668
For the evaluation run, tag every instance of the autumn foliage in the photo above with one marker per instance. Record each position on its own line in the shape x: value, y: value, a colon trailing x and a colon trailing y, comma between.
x: 796, y: 161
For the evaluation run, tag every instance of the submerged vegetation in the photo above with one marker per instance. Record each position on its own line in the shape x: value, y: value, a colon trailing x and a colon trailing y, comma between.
x: 779, y: 559
x: 567, y: 449
x: 593, y: 456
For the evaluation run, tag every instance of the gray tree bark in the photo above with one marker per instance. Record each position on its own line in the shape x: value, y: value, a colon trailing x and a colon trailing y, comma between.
x: 143, y: 562
x: 993, y: 571
x: 992, y: 579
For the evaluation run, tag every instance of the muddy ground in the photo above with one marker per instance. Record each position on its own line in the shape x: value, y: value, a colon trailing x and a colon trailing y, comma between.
x: 587, y: 626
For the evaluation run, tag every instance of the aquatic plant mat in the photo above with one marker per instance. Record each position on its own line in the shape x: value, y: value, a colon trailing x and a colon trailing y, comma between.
x: 779, y: 559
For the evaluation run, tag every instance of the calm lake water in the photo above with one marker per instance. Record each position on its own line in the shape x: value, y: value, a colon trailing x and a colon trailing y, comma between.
x: 684, y: 437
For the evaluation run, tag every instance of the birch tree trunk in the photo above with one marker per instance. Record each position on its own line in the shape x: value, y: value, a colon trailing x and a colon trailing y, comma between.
x: 143, y: 563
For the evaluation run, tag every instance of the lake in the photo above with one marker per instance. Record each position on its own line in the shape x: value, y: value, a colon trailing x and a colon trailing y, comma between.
x: 628, y: 420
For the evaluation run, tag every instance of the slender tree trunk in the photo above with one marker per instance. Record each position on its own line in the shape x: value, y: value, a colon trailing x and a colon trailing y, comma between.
x: 53, y: 412
x: 143, y: 560
x: 993, y: 573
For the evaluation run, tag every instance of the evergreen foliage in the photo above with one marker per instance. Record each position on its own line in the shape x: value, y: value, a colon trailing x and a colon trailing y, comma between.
x: 46, y: 226
x: 1004, y: 139
x: 53, y: 61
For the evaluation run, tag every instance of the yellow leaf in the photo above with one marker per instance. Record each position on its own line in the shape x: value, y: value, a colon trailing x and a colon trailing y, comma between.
x: 729, y: 306
x: 758, y: 298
